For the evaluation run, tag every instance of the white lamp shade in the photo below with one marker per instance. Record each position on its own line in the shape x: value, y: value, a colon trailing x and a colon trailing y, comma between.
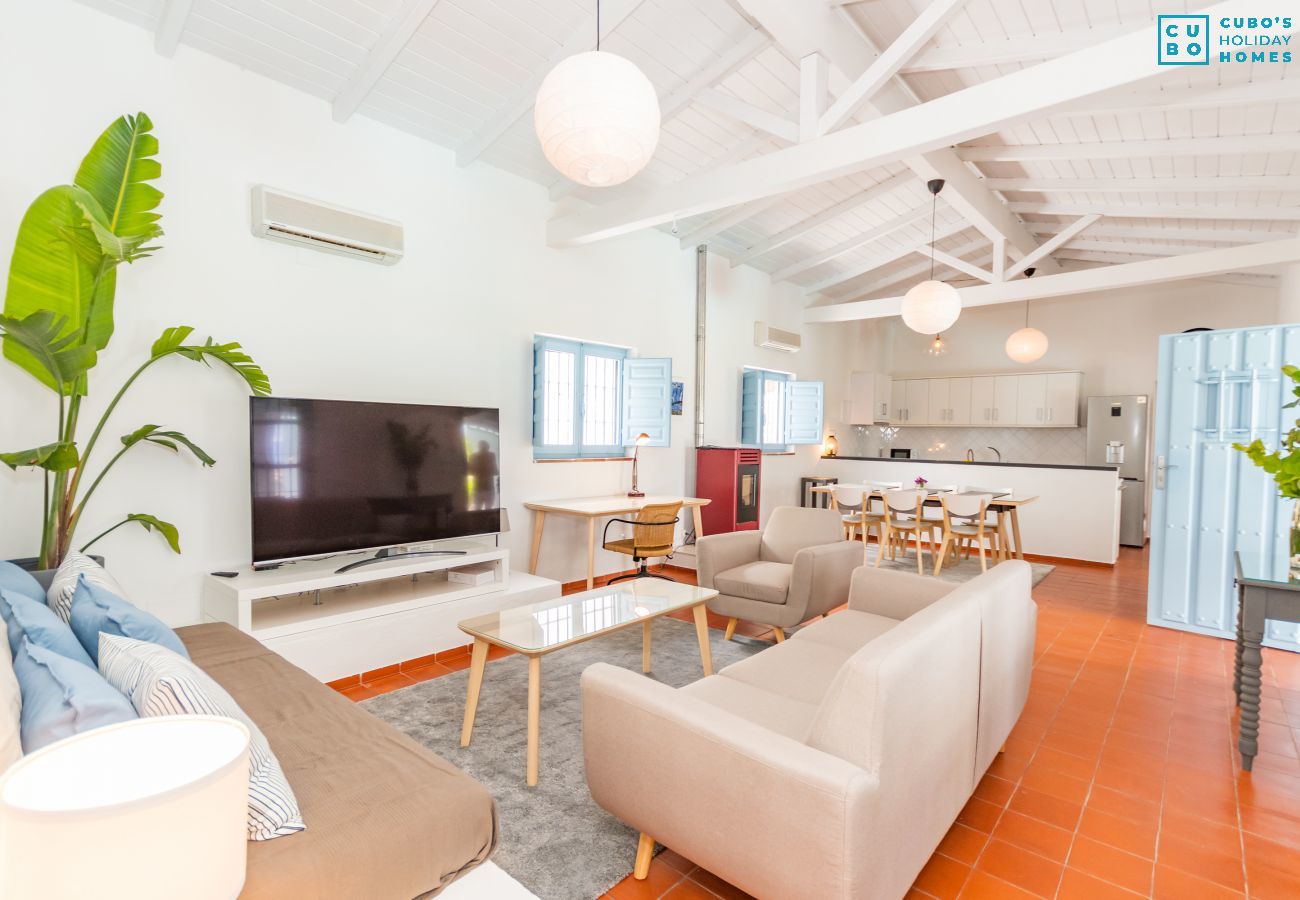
x: 1027, y: 345
x: 148, y: 809
x: 597, y: 118
x: 931, y: 307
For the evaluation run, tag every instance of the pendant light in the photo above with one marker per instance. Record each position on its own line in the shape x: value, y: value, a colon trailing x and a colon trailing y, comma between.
x: 597, y: 117
x: 1028, y: 344
x: 937, y: 346
x: 932, y: 306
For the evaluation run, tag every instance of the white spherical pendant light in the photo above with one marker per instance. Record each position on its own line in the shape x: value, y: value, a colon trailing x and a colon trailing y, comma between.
x: 597, y: 117
x: 1027, y: 345
x: 931, y: 307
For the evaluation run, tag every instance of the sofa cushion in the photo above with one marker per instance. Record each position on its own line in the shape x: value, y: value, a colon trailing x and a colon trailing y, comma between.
x: 13, y: 578
x: 62, y: 698
x: 67, y: 576
x: 161, y: 682
x: 847, y: 630
x: 798, y: 670
x: 96, y: 610
x: 386, y: 817
x: 33, y: 620
x: 775, y: 712
x: 791, y: 528
x: 765, y: 581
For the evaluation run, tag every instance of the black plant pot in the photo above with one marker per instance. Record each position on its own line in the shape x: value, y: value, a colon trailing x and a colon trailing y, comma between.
x: 43, y: 576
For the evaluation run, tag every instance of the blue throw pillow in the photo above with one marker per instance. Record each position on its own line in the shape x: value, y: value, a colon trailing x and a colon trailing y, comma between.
x: 25, y: 617
x: 15, y: 579
x: 62, y: 698
x: 95, y: 608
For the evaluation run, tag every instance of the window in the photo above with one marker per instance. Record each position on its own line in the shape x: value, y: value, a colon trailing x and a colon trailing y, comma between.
x: 593, y: 400
x: 777, y: 412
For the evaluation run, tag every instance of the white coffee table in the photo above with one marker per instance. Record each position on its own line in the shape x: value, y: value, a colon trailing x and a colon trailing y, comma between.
x: 536, y: 629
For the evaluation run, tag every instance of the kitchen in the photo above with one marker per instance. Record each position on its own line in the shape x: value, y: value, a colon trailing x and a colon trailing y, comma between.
x: 1030, y: 434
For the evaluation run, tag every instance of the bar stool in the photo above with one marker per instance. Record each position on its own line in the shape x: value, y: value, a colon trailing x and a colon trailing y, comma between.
x: 903, y: 516
x: 964, y: 520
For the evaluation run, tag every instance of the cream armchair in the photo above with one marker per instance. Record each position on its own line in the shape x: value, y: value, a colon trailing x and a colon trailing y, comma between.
x: 796, y: 568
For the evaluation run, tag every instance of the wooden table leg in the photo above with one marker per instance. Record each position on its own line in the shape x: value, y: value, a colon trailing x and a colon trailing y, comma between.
x: 698, y: 517
x: 1015, y: 532
x: 591, y: 553
x: 539, y: 519
x: 534, y: 715
x: 1252, y: 635
x: 1240, y: 642
x: 701, y: 614
x: 645, y: 644
x: 478, y: 662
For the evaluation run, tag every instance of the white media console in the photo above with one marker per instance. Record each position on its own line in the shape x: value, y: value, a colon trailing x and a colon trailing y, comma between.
x: 334, y: 624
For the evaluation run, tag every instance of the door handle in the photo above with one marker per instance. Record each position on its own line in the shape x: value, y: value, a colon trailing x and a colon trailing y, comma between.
x: 1161, y: 467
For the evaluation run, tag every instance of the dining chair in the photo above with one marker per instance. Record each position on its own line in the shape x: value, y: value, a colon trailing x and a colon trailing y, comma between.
x: 964, y: 520
x: 850, y: 500
x: 904, y: 516
x: 998, y: 516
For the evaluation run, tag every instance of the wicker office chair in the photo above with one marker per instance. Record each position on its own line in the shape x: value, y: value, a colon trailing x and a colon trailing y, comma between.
x: 652, y: 535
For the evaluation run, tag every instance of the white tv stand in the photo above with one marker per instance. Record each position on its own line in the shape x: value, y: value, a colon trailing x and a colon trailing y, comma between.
x: 335, y: 624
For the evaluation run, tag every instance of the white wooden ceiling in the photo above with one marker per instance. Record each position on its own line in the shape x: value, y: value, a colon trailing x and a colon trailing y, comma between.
x: 1196, y: 159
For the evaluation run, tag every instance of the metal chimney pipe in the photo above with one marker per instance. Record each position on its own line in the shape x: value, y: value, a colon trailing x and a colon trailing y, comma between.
x: 701, y: 309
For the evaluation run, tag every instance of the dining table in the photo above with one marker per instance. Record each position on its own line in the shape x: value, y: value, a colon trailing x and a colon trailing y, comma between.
x: 1005, y: 506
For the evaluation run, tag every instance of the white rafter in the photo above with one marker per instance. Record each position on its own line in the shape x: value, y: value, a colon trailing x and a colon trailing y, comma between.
x: 920, y: 269
x: 1012, y: 50
x: 1212, y: 235
x: 171, y: 25
x: 1152, y: 271
x: 817, y: 220
x: 980, y: 109
x: 583, y: 38
x: 1154, y: 249
x: 1048, y: 246
x: 1177, y: 184
x: 853, y: 243
x: 729, y: 219
x: 1200, y: 96
x: 813, y: 74
x: 889, y: 63
x: 1199, y: 146
x: 391, y: 43
x: 1164, y: 211
x: 884, y: 259
x: 953, y: 261
x: 749, y: 114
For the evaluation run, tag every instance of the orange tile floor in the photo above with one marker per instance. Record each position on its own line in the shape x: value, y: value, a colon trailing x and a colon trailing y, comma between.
x: 1121, y: 780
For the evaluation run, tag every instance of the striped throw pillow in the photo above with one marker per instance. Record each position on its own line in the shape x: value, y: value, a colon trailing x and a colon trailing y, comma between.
x: 64, y: 584
x: 161, y: 682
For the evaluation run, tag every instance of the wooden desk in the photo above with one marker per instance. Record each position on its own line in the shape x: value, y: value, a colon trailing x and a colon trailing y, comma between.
x: 593, y: 508
x: 1006, y: 508
x: 1265, y: 590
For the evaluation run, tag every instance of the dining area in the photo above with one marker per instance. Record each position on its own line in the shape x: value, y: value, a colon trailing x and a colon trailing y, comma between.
x: 945, y: 523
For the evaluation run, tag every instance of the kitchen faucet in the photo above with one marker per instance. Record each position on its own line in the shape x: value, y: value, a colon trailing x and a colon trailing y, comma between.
x: 995, y: 450
x: 970, y: 455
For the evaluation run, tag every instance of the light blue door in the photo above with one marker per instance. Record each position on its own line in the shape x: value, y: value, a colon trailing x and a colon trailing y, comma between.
x: 1215, y: 388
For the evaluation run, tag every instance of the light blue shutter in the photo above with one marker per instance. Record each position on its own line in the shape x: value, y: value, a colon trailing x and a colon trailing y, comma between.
x: 803, y: 412
x: 751, y: 404
x: 540, y: 448
x: 647, y: 400
x: 537, y: 393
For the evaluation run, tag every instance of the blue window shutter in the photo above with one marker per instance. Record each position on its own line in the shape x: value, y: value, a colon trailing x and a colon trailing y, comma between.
x: 542, y: 450
x: 647, y: 400
x: 803, y: 412
x: 751, y: 403
x: 537, y: 392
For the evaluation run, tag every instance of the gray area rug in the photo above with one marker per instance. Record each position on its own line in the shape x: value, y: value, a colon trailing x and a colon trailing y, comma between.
x: 554, y: 838
x: 961, y: 572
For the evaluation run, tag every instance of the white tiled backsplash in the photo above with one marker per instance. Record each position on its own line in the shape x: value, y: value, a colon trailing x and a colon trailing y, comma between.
x: 1056, y: 446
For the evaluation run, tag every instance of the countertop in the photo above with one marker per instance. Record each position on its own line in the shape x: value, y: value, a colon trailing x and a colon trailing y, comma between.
x: 967, y: 462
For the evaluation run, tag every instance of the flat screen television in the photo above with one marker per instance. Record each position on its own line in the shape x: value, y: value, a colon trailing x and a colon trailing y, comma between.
x: 336, y: 476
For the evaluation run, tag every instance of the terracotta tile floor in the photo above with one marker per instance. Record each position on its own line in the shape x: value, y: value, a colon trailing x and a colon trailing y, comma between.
x: 1121, y: 780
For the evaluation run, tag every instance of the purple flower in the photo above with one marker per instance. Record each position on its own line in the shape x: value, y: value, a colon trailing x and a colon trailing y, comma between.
x: 920, y: 482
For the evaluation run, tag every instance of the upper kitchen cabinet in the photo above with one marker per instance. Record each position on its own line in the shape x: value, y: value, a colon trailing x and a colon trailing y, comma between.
x: 897, y: 402
x: 1049, y: 400
x: 918, y: 402
x: 1031, y: 400
x: 960, y: 408
x: 993, y: 400
x: 869, y: 398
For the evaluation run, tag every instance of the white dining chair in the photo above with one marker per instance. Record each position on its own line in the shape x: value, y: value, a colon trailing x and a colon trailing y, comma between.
x: 903, y: 517
x: 964, y: 521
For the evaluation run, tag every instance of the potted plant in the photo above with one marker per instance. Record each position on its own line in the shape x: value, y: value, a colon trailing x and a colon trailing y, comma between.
x: 920, y: 482
x: 58, y: 316
x: 1284, y: 465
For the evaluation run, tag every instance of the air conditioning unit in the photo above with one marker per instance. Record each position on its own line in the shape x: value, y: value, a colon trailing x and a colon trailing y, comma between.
x: 776, y: 338
x: 282, y: 216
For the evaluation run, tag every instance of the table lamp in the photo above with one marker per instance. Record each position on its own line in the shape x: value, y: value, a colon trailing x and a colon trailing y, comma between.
x: 641, y: 440
x: 150, y: 809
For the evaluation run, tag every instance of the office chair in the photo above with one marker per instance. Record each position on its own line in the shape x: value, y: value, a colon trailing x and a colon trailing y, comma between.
x: 652, y: 535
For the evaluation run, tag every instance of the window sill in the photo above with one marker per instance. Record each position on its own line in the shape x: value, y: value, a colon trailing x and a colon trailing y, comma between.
x: 779, y: 453
x: 583, y: 459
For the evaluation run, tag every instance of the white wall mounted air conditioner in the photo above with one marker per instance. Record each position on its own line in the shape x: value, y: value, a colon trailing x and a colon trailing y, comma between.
x: 776, y: 338
x: 282, y: 216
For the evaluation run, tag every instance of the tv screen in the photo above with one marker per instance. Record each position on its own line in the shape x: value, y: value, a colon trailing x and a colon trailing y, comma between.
x: 331, y: 476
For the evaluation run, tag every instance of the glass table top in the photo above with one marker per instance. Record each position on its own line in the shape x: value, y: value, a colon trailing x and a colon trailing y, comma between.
x: 551, y: 624
x: 1267, y: 569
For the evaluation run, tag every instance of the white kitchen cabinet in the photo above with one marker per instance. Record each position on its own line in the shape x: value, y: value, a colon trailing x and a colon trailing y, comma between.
x: 1006, y: 391
x: 897, y: 402
x: 981, y: 400
x: 1062, y: 400
x: 959, y: 401
x: 918, y: 402
x: 937, y: 391
x: 1031, y: 401
x: 869, y: 398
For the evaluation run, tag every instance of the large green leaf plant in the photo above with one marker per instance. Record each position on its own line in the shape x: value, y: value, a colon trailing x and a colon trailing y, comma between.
x: 58, y: 316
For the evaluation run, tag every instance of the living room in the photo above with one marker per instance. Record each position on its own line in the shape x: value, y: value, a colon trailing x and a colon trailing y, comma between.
x: 419, y: 117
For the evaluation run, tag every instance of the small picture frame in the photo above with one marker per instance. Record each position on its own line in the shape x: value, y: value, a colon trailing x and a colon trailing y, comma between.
x: 679, y: 394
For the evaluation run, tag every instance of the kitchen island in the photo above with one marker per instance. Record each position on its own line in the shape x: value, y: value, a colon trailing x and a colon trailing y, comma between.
x: 1076, y: 515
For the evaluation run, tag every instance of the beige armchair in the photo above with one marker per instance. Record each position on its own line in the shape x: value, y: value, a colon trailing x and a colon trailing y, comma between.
x: 796, y: 568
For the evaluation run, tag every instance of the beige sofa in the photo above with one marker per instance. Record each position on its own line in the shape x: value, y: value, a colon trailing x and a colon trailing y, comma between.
x: 830, y: 765
x: 796, y: 568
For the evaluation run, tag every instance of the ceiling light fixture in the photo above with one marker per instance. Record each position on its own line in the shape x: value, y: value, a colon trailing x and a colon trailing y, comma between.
x: 937, y: 346
x: 597, y: 117
x: 931, y: 306
x: 1028, y: 344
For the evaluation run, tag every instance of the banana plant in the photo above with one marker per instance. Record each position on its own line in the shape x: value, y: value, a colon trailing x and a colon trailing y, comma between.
x: 58, y: 316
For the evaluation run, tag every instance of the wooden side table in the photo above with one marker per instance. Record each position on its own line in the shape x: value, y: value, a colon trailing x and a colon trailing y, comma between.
x: 1264, y: 591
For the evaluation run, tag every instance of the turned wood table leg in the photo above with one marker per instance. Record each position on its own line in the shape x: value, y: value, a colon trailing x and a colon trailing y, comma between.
x: 1241, y: 633
x: 1251, y: 660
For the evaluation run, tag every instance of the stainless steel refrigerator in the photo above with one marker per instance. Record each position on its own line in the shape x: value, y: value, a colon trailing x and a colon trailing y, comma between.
x: 1117, y: 436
